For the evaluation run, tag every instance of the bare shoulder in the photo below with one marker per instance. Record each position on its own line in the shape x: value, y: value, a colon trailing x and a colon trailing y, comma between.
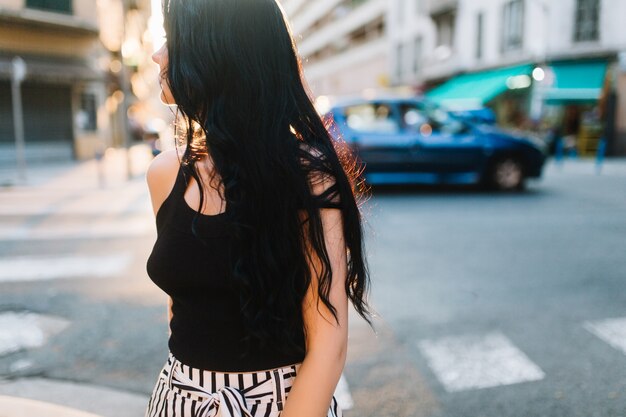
x: 161, y: 176
x: 163, y: 164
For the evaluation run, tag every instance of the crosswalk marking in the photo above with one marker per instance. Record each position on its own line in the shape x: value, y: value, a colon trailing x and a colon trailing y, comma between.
x: 612, y: 331
x: 129, y: 227
x: 20, y: 330
x: 25, y: 210
x: 474, y: 362
x: 129, y: 198
x: 35, y: 268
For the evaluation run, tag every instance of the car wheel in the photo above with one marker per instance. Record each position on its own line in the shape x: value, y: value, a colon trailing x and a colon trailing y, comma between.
x: 507, y: 174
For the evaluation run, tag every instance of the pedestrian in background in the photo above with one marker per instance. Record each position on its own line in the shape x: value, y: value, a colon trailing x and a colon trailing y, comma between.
x: 260, y: 241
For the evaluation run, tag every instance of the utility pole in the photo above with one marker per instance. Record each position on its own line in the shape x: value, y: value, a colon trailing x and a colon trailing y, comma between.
x: 18, y: 75
x: 126, y: 90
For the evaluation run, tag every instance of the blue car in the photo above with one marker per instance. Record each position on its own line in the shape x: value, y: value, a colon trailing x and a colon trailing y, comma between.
x: 414, y: 141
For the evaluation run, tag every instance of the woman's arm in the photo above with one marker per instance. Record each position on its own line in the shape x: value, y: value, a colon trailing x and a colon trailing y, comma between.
x: 160, y: 176
x: 326, y: 340
x: 169, y: 315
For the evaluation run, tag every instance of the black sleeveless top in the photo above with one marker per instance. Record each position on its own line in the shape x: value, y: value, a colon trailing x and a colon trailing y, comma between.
x: 207, y: 329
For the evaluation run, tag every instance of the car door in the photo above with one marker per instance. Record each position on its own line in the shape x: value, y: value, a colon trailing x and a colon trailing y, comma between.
x: 372, y: 129
x: 441, y: 144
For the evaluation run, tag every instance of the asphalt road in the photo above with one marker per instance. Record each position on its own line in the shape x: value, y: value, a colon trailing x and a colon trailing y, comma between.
x: 487, y: 304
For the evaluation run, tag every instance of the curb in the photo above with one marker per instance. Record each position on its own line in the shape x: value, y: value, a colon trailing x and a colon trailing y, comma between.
x: 29, y: 397
x: 21, y: 407
x: 615, y: 166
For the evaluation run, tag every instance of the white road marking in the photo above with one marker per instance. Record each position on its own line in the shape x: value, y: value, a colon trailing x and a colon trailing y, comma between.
x: 132, y: 198
x: 474, y: 362
x: 36, y: 268
x: 612, y: 331
x: 20, y: 365
x: 342, y: 394
x: 23, y: 209
x: 24, y: 330
x: 142, y: 226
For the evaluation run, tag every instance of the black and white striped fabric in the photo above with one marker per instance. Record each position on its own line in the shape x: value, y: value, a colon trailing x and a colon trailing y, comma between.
x: 183, y: 391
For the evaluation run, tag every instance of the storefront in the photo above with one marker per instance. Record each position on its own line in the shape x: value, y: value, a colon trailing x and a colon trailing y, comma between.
x: 47, y: 119
x: 575, y: 107
x: 505, y: 90
x: 60, y: 100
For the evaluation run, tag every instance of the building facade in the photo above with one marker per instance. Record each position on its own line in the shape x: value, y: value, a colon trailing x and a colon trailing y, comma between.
x: 542, y: 64
x: 556, y: 63
x: 71, y: 92
x: 342, y: 42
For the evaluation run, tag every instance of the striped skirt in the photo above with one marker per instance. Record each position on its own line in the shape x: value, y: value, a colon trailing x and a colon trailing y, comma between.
x: 183, y: 391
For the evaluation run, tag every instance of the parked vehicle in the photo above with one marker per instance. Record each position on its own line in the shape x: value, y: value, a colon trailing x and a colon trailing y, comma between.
x: 414, y: 141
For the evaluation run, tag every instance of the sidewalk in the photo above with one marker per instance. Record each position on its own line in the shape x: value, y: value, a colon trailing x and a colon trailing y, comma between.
x: 78, y: 187
x: 73, y: 187
x: 109, y: 172
x: 22, y: 407
x: 40, y: 397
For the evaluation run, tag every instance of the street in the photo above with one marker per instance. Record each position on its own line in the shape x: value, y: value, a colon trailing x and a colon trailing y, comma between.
x: 488, y: 304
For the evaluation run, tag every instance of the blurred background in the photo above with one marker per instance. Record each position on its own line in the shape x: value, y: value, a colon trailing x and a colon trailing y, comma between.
x: 493, y: 134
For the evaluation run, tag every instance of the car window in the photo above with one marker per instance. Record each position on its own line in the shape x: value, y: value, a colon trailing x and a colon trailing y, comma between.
x: 372, y: 118
x: 428, y: 120
x: 412, y: 117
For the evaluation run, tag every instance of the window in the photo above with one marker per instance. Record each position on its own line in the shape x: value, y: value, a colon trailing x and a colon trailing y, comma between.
x: 479, y: 35
x: 413, y: 117
x: 513, y: 25
x: 444, y: 23
x: 62, y: 6
x: 417, y: 55
x: 87, y: 116
x: 428, y: 119
x: 372, y: 118
x: 419, y: 6
x: 351, y: 4
x: 356, y: 3
x: 400, y: 62
x: 587, y: 20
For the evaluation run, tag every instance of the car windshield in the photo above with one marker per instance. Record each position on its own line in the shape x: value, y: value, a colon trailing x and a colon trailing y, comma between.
x: 428, y: 118
x: 372, y: 118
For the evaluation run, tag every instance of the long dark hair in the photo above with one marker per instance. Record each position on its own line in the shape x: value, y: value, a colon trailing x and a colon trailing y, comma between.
x: 237, y: 81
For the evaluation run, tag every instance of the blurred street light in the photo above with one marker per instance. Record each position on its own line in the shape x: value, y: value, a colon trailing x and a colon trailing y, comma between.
x: 155, y: 25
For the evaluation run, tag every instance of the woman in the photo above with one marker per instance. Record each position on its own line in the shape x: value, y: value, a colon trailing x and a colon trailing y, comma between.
x: 259, y: 241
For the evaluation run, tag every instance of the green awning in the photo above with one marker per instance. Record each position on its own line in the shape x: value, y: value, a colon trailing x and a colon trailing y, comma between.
x: 576, y: 81
x: 473, y: 90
